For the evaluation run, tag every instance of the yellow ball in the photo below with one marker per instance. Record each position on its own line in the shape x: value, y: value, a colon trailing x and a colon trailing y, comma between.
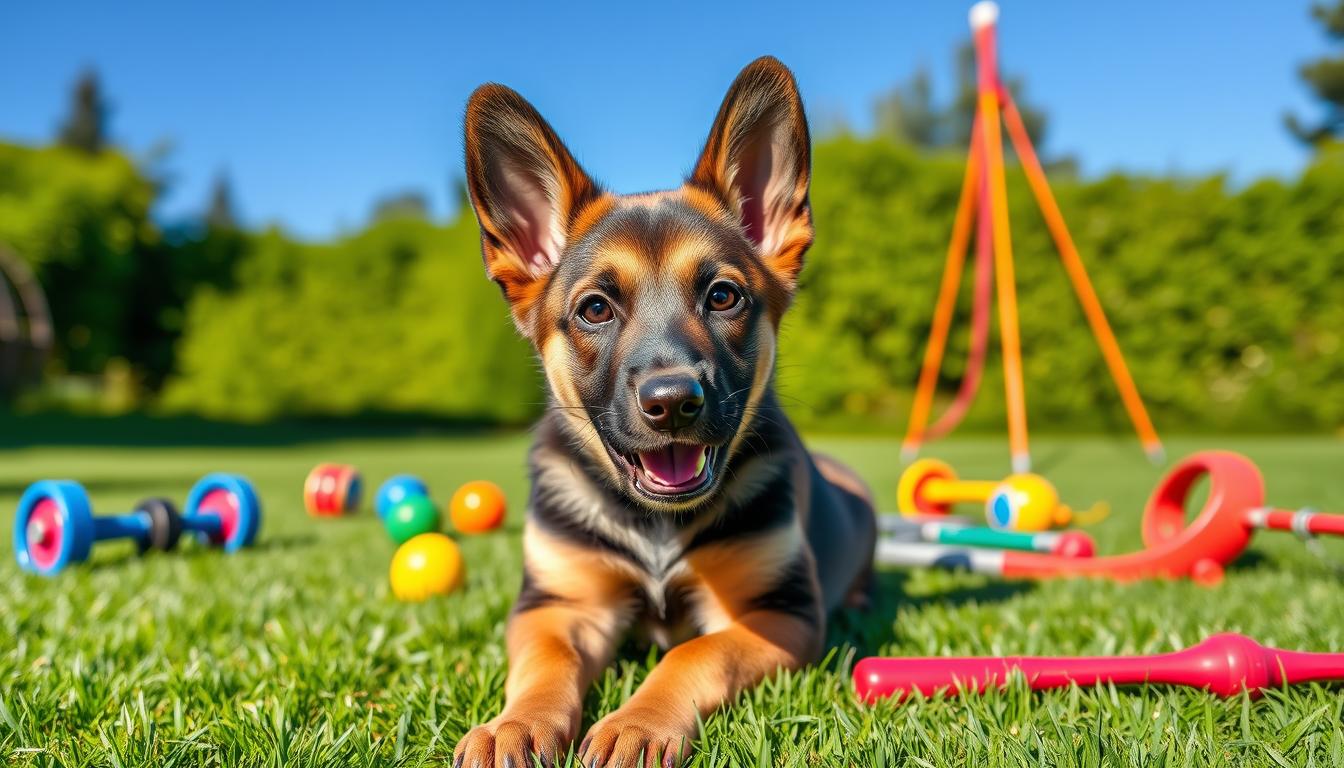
x: 426, y: 565
x: 1025, y: 502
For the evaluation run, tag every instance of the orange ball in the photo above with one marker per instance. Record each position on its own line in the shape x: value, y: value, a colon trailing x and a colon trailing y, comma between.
x: 427, y: 565
x: 478, y: 506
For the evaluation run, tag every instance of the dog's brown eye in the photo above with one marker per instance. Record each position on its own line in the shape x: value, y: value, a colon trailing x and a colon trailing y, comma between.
x: 723, y: 297
x: 596, y: 310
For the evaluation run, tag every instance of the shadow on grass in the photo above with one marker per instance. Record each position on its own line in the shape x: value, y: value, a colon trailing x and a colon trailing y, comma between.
x: 144, y: 430
x: 279, y: 543
x: 865, y: 632
x: 1251, y: 559
x: 868, y: 630
x: 192, y: 550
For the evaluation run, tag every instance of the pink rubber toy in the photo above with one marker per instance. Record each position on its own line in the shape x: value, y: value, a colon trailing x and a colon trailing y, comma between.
x: 1224, y: 664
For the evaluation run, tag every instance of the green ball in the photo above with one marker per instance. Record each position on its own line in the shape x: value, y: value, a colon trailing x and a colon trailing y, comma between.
x: 411, y: 518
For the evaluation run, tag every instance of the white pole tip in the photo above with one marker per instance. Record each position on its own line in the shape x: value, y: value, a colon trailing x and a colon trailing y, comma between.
x: 984, y: 14
x: 1021, y: 463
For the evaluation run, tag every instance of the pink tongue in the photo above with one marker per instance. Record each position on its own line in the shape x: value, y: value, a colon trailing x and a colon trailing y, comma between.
x: 673, y: 466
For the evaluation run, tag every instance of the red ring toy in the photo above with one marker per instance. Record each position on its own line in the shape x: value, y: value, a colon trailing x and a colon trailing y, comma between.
x: 1199, y: 551
x: 332, y: 490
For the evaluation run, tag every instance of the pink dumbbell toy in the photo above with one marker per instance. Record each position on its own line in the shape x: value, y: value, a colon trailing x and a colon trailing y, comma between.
x: 56, y: 527
x: 1225, y: 665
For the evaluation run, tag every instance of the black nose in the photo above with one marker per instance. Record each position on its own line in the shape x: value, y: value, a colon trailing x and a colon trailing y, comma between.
x: 671, y: 401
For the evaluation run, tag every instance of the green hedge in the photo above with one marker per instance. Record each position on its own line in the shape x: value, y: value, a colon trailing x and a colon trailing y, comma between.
x: 83, y: 223
x: 399, y: 318
x: 1228, y: 302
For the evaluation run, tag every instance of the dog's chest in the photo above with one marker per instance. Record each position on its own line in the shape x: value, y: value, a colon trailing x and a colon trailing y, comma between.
x: 659, y: 553
x: 665, y: 586
x: 646, y: 555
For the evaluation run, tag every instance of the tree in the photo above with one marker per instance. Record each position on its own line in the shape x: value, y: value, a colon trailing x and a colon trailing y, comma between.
x: 86, y: 127
x: 83, y: 224
x: 908, y: 113
x: 219, y: 214
x: 1325, y: 76
x: 402, y: 205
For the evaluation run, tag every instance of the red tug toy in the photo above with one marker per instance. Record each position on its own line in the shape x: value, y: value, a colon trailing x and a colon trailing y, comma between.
x: 1224, y: 664
x: 332, y: 490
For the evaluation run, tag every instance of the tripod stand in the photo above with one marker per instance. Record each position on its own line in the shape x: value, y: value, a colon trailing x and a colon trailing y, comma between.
x: 984, y: 201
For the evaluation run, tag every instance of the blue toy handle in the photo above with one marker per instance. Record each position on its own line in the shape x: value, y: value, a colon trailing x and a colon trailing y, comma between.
x: 130, y: 526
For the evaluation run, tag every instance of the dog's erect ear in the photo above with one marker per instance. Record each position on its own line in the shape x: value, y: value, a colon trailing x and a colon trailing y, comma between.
x: 758, y: 160
x: 526, y: 189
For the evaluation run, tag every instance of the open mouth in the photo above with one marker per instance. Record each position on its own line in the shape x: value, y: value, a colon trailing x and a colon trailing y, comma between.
x: 674, y: 470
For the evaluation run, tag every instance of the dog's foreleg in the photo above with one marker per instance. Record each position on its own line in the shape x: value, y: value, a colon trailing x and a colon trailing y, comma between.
x: 555, y: 653
x: 694, y: 679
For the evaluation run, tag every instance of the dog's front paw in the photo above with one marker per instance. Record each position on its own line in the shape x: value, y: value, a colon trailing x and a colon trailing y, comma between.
x: 631, y: 737
x: 511, y: 740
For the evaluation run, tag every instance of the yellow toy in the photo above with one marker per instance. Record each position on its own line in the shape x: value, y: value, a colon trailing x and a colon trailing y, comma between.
x: 1021, y: 502
x: 426, y: 565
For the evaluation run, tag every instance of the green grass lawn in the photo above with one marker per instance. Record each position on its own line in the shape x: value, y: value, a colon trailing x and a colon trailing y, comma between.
x: 294, y: 653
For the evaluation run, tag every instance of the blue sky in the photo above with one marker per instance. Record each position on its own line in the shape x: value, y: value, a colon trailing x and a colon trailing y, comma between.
x: 316, y: 109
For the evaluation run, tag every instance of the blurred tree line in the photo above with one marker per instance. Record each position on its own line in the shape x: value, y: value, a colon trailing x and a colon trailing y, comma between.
x: 80, y: 213
x: 1226, y: 300
x: 1325, y: 78
x: 908, y: 113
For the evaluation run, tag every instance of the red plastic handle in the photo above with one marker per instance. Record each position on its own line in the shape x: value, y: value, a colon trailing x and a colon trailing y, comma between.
x: 1225, y: 664
x: 1299, y: 521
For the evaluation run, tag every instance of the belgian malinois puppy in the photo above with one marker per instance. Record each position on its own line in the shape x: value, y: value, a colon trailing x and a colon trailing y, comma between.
x: 669, y: 492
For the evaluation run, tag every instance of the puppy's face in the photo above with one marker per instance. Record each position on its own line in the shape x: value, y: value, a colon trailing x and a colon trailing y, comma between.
x: 655, y: 315
x: 658, y: 331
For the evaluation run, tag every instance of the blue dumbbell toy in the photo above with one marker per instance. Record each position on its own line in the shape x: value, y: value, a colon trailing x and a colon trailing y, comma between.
x: 395, y: 491
x: 56, y: 527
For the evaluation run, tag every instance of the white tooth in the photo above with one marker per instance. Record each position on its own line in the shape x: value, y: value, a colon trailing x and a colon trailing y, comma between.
x: 700, y: 463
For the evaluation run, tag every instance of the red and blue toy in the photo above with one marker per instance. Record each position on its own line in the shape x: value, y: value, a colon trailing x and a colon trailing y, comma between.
x: 55, y: 526
x: 396, y: 490
x: 332, y: 490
